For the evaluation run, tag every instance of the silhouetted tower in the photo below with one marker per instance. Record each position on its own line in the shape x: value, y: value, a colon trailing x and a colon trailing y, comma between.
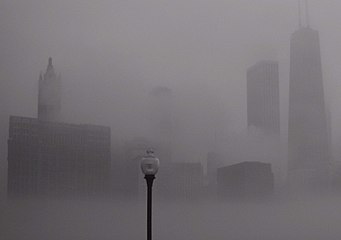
x: 161, y: 121
x: 308, y: 135
x: 49, y: 96
x: 263, y: 97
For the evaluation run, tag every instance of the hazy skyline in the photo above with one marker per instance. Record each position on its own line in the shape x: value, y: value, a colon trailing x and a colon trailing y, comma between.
x: 112, y: 53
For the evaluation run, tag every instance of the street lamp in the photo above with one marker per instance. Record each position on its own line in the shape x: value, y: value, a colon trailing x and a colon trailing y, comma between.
x: 149, y: 166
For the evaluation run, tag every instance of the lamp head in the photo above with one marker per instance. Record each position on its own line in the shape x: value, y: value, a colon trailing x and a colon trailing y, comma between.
x: 150, y: 164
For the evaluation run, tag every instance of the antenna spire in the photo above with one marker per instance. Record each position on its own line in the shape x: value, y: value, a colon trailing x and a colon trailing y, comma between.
x: 307, y: 13
x: 299, y: 14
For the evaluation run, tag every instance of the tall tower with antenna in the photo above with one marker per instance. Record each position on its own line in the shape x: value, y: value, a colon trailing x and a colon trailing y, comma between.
x: 299, y: 14
x: 307, y: 13
x: 307, y: 17
x: 308, y: 133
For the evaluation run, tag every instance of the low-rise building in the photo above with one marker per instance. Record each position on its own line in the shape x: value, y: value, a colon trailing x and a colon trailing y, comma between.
x: 54, y: 159
x: 246, y: 180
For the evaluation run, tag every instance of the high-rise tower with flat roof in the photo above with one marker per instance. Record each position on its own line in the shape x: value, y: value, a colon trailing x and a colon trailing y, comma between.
x: 263, y: 97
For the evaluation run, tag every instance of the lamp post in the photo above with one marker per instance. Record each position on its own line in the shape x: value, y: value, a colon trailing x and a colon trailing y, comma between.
x: 149, y: 166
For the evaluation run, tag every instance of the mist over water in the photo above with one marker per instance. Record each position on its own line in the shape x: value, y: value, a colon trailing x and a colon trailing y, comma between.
x: 299, y: 219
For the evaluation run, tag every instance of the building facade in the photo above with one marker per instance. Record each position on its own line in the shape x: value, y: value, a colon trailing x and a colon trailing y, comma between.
x: 263, y: 97
x: 48, y: 158
x: 245, y: 181
x: 57, y: 159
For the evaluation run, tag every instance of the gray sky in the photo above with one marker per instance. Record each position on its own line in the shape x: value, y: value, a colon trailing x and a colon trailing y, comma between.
x: 112, y: 52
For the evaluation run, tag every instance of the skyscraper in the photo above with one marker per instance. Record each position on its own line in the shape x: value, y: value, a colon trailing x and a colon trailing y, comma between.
x: 263, y: 97
x: 49, y: 96
x: 308, y: 134
x: 160, y: 120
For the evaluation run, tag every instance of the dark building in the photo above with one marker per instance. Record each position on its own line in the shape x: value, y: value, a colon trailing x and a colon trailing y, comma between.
x: 263, y: 97
x: 49, y: 96
x: 187, y: 180
x: 309, y: 156
x: 244, y: 181
x: 49, y: 158
x: 57, y: 159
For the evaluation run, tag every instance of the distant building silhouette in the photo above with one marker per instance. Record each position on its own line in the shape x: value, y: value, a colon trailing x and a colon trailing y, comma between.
x: 246, y: 180
x: 49, y: 158
x: 49, y: 95
x: 160, y: 119
x: 263, y: 97
x: 187, y: 180
x: 57, y: 159
x: 161, y: 130
x: 309, y: 156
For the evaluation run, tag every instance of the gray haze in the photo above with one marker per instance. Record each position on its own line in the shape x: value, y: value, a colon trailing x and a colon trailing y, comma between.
x: 107, y: 220
x: 111, y: 53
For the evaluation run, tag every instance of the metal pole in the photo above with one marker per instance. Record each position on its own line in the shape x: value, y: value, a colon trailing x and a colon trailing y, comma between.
x: 149, y: 180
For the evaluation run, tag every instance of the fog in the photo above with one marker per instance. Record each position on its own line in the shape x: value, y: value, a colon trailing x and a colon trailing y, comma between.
x: 112, y: 53
x: 305, y: 219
